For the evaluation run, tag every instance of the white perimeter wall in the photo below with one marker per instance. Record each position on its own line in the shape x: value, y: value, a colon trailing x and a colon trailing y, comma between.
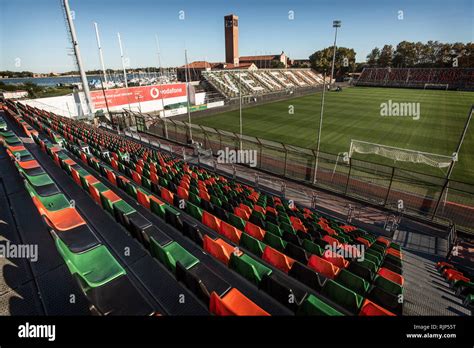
x: 66, y: 105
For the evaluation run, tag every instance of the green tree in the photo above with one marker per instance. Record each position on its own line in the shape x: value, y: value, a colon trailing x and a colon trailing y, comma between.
x: 277, y: 64
x: 405, y: 55
x: 345, y: 60
x: 373, y: 57
x: 386, y: 56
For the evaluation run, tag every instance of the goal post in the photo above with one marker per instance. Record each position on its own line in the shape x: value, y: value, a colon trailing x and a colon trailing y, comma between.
x: 440, y: 86
x: 400, y: 154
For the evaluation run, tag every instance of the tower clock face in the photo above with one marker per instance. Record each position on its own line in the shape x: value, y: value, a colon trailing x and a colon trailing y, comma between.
x: 228, y: 23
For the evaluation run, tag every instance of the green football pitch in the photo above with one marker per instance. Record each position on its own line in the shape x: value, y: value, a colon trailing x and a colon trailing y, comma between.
x: 355, y: 113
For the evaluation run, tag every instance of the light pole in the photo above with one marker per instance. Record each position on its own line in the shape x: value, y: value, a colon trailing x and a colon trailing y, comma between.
x: 101, y: 57
x: 335, y: 24
x: 319, y: 131
x: 240, y: 108
x: 187, y: 93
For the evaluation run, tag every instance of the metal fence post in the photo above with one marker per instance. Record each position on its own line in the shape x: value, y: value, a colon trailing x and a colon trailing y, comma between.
x: 286, y: 159
x: 389, y: 186
x: 348, y: 176
x: 313, y: 168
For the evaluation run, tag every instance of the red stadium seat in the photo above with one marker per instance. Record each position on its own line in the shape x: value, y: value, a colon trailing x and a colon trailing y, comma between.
x: 137, y: 178
x: 277, y: 259
x: 211, y: 221
x: 324, y: 267
x: 394, y: 252
x: 363, y: 241
x: 241, y: 213
x: 384, y: 241
x: 335, y: 259
x: 231, y: 232
x: 254, y: 230
x: 167, y: 195
x: 218, y: 248
x: 392, y: 276
x: 182, y: 193
x: 234, y: 303
x: 143, y: 199
x: 371, y: 309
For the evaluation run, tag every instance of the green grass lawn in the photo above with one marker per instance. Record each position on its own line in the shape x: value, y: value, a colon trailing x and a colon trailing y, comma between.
x: 354, y: 113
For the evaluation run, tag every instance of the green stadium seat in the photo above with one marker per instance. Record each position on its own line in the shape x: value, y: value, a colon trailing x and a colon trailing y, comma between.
x: 51, y: 203
x: 274, y: 241
x: 343, y: 296
x: 194, y: 211
x: 272, y: 228
x: 368, y: 264
x: 95, y: 267
x: 388, y: 285
x: 312, y: 248
x: 236, y: 221
x: 157, y: 206
x: 252, y: 244
x: 248, y: 267
x: 353, y: 282
x: 313, y: 305
x: 171, y: 253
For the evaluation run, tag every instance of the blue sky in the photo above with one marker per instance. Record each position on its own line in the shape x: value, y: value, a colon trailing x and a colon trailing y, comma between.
x: 34, y: 30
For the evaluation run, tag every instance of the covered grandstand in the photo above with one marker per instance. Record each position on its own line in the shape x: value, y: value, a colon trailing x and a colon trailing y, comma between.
x: 262, y: 81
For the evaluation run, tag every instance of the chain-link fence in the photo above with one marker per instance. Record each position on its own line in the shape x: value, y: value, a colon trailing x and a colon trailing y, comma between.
x: 423, y: 195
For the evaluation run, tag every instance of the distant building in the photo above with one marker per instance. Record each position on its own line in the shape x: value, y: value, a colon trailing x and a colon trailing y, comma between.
x: 266, y: 61
x: 300, y: 63
x: 232, y: 59
x: 14, y: 94
x: 194, y: 70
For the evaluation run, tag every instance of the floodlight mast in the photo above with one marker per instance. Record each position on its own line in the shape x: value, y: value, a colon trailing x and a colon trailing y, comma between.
x: 335, y: 24
x: 319, y: 131
x: 77, y: 53
x: 240, y: 107
x: 101, y: 57
x: 123, y: 61
x: 161, y: 79
x: 187, y: 93
x: 124, y: 69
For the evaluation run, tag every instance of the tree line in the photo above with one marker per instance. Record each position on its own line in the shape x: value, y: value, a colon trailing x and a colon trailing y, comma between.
x: 432, y: 54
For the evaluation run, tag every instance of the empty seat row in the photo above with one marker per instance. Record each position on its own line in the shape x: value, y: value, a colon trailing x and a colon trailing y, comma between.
x: 255, y: 237
x: 178, y: 260
x: 96, y: 269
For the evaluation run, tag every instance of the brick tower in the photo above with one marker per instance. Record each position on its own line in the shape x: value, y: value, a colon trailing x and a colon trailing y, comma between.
x: 231, y: 24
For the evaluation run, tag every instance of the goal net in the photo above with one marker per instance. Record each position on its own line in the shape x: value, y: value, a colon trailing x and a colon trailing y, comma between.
x: 442, y: 86
x: 402, y: 155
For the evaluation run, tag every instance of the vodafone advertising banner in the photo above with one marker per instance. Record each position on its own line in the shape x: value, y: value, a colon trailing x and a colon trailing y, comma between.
x: 124, y: 96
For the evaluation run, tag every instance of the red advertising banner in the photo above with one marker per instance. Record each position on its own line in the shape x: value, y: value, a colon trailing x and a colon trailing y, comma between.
x: 132, y: 95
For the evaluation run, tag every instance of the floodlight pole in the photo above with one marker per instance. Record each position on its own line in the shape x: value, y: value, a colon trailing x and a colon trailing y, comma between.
x: 123, y: 67
x: 123, y: 61
x: 240, y: 108
x: 161, y: 94
x: 451, y: 166
x: 187, y: 92
x: 101, y: 57
x: 77, y: 53
x: 335, y: 24
x: 319, y: 131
